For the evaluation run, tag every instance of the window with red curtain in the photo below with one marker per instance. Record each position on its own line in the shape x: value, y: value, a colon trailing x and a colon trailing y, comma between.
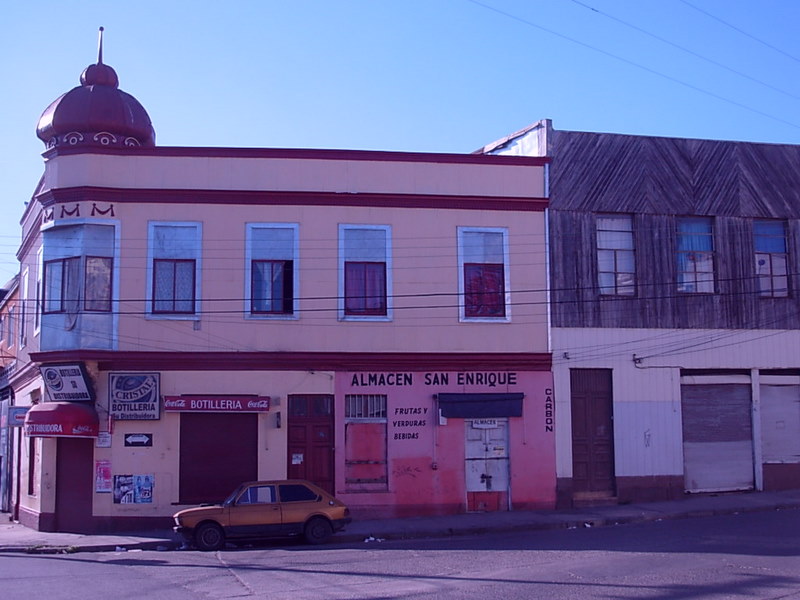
x: 484, y: 290
x: 365, y: 288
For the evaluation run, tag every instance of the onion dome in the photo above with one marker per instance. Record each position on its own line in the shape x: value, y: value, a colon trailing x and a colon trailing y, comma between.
x: 97, y: 113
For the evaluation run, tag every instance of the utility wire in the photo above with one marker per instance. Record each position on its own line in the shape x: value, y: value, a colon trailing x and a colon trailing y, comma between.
x: 688, y: 51
x: 737, y: 29
x: 635, y: 64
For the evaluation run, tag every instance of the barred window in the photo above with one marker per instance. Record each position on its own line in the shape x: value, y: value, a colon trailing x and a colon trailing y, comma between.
x: 365, y: 406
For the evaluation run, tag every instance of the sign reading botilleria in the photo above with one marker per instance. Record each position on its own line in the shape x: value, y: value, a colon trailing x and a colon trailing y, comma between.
x: 134, y: 396
x: 238, y: 404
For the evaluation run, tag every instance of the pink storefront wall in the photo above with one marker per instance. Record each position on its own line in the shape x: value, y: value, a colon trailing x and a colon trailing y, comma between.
x: 426, y: 459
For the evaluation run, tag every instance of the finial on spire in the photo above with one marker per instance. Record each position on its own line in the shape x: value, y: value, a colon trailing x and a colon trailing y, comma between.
x: 100, y: 47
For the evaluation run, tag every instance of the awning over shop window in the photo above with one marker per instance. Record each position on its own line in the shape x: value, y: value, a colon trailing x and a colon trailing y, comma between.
x: 62, y: 419
x: 480, y: 406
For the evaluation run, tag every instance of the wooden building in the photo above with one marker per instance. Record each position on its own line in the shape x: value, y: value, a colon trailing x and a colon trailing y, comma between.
x: 674, y: 312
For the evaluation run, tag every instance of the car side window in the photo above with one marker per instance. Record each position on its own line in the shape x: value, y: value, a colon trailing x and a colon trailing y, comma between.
x: 258, y: 494
x: 297, y: 493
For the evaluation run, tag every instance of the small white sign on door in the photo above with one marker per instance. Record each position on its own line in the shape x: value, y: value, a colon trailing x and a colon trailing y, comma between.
x: 484, y: 423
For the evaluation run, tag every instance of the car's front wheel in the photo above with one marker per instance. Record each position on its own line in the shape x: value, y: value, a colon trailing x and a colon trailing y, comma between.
x: 317, y: 530
x: 209, y: 536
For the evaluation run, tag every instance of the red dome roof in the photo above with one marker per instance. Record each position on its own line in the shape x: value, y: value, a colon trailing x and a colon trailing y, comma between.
x: 97, y: 113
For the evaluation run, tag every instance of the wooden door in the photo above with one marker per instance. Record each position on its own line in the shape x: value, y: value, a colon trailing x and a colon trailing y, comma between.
x: 592, y: 433
x: 310, y: 443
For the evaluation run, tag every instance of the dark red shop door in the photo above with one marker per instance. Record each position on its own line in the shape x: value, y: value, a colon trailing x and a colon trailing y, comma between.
x: 310, y: 429
x: 74, y: 484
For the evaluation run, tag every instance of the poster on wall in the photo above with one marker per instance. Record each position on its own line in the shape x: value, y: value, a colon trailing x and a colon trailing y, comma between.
x: 102, y: 477
x: 143, y: 489
x: 123, y: 489
x: 134, y: 396
x: 133, y: 489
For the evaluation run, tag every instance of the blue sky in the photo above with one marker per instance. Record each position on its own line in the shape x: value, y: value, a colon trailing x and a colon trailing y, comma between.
x: 408, y: 75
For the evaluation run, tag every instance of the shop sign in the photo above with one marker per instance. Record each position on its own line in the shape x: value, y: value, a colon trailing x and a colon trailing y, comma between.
x: 237, y: 404
x: 134, y: 396
x: 67, y: 383
x: 484, y: 423
x: 16, y: 415
x: 487, y: 379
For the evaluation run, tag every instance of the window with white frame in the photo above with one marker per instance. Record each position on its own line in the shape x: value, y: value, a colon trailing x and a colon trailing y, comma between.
x: 365, y: 271
x: 695, y: 254
x: 272, y: 274
x: 772, y: 258
x: 616, y: 265
x: 483, y: 273
x: 173, y: 266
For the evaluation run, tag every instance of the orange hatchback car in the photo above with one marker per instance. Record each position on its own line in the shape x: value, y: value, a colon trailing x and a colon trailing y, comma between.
x: 262, y: 509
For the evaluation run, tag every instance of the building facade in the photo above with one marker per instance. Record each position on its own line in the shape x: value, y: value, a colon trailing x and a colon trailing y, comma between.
x: 374, y: 322
x: 675, y: 313
x: 9, y: 340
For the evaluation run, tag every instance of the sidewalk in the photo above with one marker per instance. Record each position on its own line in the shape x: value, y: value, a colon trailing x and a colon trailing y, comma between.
x: 17, y: 538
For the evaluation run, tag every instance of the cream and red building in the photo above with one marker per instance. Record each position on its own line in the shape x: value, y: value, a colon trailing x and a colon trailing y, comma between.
x: 372, y: 321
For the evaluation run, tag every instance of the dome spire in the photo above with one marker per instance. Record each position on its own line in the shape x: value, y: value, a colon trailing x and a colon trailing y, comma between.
x: 97, y: 113
x: 100, y: 47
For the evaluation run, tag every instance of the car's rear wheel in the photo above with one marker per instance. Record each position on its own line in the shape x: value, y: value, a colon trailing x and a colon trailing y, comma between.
x: 209, y: 536
x: 317, y: 530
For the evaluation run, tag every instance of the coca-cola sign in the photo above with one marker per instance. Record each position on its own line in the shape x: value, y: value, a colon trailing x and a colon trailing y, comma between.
x: 239, y: 404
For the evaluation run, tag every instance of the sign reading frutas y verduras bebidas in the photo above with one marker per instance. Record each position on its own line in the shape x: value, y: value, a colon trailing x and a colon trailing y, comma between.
x: 134, y: 396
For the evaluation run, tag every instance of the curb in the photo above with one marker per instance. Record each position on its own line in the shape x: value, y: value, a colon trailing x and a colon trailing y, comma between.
x: 587, y: 520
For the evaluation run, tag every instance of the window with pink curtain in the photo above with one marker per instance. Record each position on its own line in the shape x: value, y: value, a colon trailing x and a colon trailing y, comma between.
x: 365, y: 288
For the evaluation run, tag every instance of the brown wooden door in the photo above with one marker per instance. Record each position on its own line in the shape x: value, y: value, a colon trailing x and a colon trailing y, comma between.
x: 592, y: 432
x: 74, y: 484
x: 310, y: 443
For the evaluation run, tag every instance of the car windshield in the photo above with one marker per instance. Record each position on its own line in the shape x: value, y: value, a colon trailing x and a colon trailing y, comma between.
x: 232, y: 496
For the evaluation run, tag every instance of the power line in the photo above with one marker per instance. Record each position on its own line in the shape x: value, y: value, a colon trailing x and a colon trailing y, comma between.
x: 688, y: 51
x: 743, y: 32
x: 635, y: 64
